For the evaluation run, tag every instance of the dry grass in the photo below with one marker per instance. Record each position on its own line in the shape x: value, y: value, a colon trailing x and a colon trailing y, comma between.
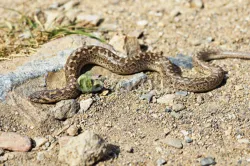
x: 22, y: 35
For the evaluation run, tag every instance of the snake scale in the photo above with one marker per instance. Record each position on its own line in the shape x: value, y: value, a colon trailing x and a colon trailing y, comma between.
x: 139, y: 62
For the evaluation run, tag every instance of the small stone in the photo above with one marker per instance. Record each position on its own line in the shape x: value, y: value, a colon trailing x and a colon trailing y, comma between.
x: 244, y: 141
x: 40, y: 156
x: 1, y: 152
x: 161, y: 162
x: 148, y: 96
x: 175, y: 12
x: 47, y: 144
x: 195, y: 42
x: 178, y: 107
x: 184, y: 132
x: 93, y: 19
x: 105, y: 93
x: 85, y: 104
x: 188, y: 139
x: 54, y: 5
x: 85, y: 149
x: 129, y: 149
x: 209, y: 39
x: 174, y: 142
x: 167, y: 99
x: 168, y: 110
x: 40, y: 141
x: 208, y: 161
x: 182, y: 93
x: 65, y: 109
x: 199, y: 100
x: 14, y: 142
x: 197, y: 3
x: 70, y: 4
x: 142, y: 22
x: 72, y: 130
x: 25, y: 35
x: 176, y: 115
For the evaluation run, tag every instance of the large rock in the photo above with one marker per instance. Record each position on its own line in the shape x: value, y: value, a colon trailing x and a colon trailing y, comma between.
x: 85, y: 149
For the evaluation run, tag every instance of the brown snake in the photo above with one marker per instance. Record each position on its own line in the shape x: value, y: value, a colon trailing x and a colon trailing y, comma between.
x: 138, y: 62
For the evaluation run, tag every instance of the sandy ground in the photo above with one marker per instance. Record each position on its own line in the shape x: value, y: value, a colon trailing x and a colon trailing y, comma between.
x: 216, y: 121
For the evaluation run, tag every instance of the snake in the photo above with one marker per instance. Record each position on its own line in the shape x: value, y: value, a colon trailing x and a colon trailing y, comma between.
x: 142, y: 61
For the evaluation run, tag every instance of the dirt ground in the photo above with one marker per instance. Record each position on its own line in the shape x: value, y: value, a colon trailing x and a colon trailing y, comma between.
x: 216, y: 121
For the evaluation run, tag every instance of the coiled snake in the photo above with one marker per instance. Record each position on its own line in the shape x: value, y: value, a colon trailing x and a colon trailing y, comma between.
x: 136, y: 63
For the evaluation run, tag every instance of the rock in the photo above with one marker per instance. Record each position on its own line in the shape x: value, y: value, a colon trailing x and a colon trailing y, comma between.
x: 1, y: 152
x: 25, y: 35
x: 93, y: 19
x: 72, y: 130
x: 182, y: 93
x: 40, y: 141
x: 199, y: 100
x: 40, y: 156
x: 85, y: 149
x: 47, y: 144
x: 14, y: 142
x: 188, y: 139
x: 182, y: 61
x: 208, y: 161
x: 70, y: 4
x: 197, y: 3
x: 244, y: 141
x: 85, y: 104
x: 65, y: 109
x: 129, y: 149
x: 130, y: 84
x: 148, y: 96
x: 176, y: 115
x: 142, y: 23
x: 178, y: 107
x: 167, y: 99
x: 161, y: 162
x: 174, y: 142
x: 175, y: 12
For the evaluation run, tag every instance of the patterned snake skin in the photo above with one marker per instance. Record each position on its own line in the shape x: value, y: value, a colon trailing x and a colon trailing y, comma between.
x: 136, y: 63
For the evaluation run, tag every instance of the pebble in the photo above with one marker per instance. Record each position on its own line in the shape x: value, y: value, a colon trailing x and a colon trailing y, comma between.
x: 195, y: 42
x: 14, y: 142
x: 93, y: 19
x: 148, y: 96
x: 182, y: 93
x: 174, y: 142
x: 208, y: 161
x: 85, y: 149
x: 175, y: 12
x: 85, y: 105
x: 244, y: 141
x: 188, y: 139
x: 129, y: 149
x: 25, y: 35
x: 65, y: 109
x: 40, y: 156
x: 199, y: 100
x: 142, y: 22
x: 167, y: 99
x: 176, y: 115
x: 40, y: 141
x: 70, y: 4
x: 197, y: 3
x: 47, y: 144
x: 178, y: 107
x: 160, y: 162
x: 72, y: 130
x: 1, y: 152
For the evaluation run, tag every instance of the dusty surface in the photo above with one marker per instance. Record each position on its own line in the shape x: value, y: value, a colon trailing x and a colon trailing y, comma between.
x: 217, y: 121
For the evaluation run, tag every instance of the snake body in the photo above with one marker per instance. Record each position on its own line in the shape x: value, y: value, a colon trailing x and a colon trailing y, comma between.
x: 137, y: 63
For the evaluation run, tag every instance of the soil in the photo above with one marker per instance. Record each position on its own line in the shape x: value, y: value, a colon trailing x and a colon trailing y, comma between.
x: 216, y: 121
